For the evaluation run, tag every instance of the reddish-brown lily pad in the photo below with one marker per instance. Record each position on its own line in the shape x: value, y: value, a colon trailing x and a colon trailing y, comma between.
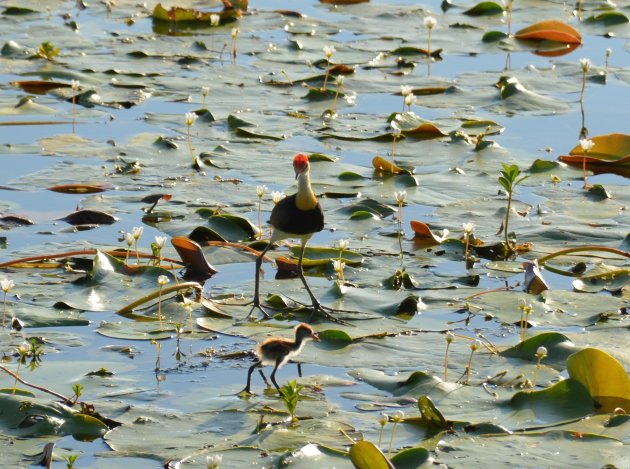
x: 39, y: 86
x: 550, y: 30
x: 610, y: 153
x: 79, y: 188
x: 193, y: 258
x: 422, y: 231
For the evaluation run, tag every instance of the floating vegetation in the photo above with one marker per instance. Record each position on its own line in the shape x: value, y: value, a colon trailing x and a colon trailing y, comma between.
x: 143, y: 151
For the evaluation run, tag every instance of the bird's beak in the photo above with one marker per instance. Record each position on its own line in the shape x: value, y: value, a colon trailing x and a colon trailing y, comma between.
x: 315, y: 337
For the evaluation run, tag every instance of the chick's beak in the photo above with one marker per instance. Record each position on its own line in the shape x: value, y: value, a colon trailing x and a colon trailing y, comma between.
x: 315, y: 337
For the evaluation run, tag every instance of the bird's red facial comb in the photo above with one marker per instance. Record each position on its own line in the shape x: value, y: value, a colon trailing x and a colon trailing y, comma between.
x: 300, y: 163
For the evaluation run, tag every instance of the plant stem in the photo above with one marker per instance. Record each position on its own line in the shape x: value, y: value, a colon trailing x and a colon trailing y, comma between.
x: 17, y: 375
x: 507, y: 219
x: 469, y: 367
x: 260, y: 230
x: 34, y: 386
x: 190, y: 148
x: 394, y: 143
x: 583, y: 131
x: 327, y: 72
x: 448, y: 344
x: 563, y: 252
x: 4, y: 310
x: 536, y: 372
x: 391, y: 440
x: 160, y: 308
x: 466, y: 242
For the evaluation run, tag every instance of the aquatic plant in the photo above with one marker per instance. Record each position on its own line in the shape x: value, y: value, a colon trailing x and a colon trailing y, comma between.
x: 328, y: 53
x: 509, y: 178
x: 290, y: 395
x: 7, y: 285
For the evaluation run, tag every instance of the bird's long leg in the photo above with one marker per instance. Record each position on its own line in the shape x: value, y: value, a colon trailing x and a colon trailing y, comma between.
x: 315, y: 301
x: 263, y: 377
x: 299, y: 367
x: 317, y: 306
x: 249, y: 376
x: 273, y: 373
x: 256, y: 303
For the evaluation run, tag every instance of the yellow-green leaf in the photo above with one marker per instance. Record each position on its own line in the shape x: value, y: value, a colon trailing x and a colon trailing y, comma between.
x: 604, y: 378
x: 365, y: 455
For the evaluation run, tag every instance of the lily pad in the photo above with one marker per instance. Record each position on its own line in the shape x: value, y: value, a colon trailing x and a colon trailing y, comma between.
x: 603, y: 377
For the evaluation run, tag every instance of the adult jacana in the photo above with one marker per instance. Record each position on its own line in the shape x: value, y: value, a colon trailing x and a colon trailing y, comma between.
x: 296, y: 216
x: 278, y: 350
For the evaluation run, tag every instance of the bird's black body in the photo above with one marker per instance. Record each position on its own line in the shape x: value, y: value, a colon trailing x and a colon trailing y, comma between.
x: 296, y: 216
x: 288, y: 218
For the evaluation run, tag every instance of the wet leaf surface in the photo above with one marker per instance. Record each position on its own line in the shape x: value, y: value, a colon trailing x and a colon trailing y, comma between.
x: 168, y: 313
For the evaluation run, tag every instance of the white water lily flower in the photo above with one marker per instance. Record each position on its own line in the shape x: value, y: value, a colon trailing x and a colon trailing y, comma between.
x: 410, y: 99
x: 215, y: 19
x: 75, y: 84
x: 396, y: 130
x: 137, y: 232
x: 585, y: 64
x: 450, y: 337
x: 205, y: 91
x: 329, y: 51
x: 260, y: 191
x: 468, y: 227
x: 277, y: 196
x: 7, y: 285
x: 405, y: 90
x: 340, y: 80
x: 190, y: 117
x: 400, y: 196
x: 430, y: 22
x: 24, y: 348
x: 586, y: 144
x: 338, y: 265
x: 235, y: 32
x: 214, y: 461
x: 398, y: 416
x: 475, y: 345
x: 160, y: 241
x: 129, y: 239
x: 163, y: 280
x: 343, y: 244
x: 541, y: 352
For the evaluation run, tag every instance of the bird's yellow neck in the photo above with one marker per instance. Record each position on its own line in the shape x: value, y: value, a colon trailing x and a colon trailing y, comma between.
x: 305, y: 198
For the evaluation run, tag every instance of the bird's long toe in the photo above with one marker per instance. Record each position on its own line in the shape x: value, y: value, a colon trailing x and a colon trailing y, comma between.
x: 259, y: 307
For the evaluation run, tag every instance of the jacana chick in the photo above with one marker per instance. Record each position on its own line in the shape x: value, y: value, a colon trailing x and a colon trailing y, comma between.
x: 278, y: 350
x: 296, y: 216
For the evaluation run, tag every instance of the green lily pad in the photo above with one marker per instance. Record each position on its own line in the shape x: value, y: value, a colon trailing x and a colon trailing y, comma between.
x: 558, y: 346
x: 565, y: 400
x: 324, y: 255
x: 485, y: 9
